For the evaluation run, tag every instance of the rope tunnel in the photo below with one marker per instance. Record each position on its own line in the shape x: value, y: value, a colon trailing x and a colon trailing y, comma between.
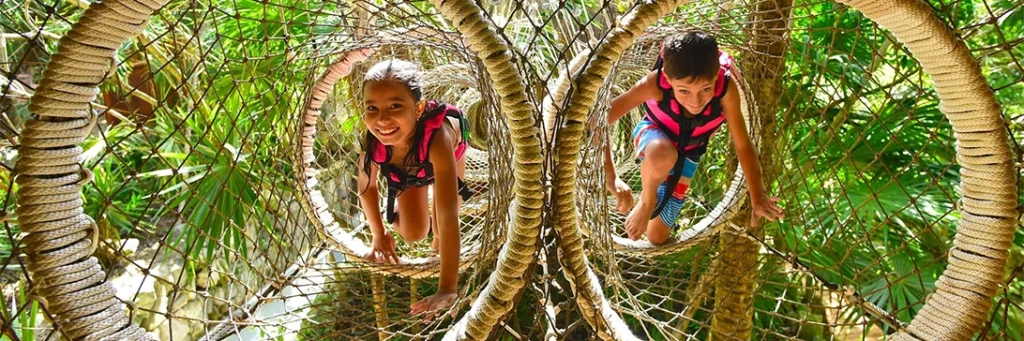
x: 187, y: 170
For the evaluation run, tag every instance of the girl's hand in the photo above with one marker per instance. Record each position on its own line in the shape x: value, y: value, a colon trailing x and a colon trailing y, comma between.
x: 384, y: 249
x: 764, y: 207
x: 623, y: 194
x: 435, y: 302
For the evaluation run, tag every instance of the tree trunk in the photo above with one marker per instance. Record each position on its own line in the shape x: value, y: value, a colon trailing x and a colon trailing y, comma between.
x: 734, y: 284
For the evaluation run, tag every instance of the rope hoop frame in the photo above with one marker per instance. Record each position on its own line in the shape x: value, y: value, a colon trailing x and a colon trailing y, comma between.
x: 71, y: 282
x: 955, y: 311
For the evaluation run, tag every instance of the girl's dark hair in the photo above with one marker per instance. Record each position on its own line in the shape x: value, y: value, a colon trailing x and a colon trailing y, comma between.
x: 407, y: 74
x: 400, y: 71
x: 690, y: 54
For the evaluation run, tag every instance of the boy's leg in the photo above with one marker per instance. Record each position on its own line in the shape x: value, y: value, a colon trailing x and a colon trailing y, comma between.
x: 412, y: 219
x: 660, y: 228
x: 658, y: 155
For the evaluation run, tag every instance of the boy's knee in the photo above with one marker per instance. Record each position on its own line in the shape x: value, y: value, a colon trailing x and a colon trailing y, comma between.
x: 658, y: 235
x: 661, y: 154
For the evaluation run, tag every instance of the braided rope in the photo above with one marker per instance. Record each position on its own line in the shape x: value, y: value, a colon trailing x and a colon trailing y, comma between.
x: 61, y: 238
x: 977, y: 153
x: 508, y: 279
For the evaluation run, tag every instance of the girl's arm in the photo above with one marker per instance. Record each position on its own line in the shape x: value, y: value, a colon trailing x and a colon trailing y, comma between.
x: 762, y: 205
x: 446, y: 200
x: 369, y: 199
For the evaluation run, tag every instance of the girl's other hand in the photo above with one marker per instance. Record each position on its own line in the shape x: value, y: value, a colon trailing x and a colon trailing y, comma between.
x: 384, y: 249
x: 433, y: 303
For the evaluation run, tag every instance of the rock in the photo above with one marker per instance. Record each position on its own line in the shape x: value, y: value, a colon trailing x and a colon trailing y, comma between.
x: 185, y: 322
x: 129, y: 246
x: 180, y: 315
x: 133, y: 285
x: 152, y: 293
x: 216, y: 278
x: 203, y: 279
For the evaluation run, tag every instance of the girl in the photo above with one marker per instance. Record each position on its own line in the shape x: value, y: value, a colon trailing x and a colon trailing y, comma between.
x: 413, y: 143
x: 686, y: 98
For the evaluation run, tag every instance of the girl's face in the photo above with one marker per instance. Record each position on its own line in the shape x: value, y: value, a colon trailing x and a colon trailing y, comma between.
x: 693, y: 93
x: 390, y: 111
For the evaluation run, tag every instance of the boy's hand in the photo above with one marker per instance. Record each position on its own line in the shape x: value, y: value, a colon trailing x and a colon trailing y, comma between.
x: 764, y: 207
x: 623, y: 194
x: 435, y: 302
x: 384, y: 249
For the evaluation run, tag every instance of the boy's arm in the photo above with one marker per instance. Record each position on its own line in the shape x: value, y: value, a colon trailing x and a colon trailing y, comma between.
x: 646, y: 88
x: 741, y: 139
x: 762, y: 205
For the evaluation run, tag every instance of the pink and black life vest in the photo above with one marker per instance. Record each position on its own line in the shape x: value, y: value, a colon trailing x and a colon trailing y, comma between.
x: 434, y: 117
x: 690, y: 135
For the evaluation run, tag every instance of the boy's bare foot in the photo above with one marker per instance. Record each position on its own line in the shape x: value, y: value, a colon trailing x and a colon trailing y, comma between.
x: 636, y: 222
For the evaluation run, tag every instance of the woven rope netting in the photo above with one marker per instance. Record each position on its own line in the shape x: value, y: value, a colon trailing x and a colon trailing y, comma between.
x: 182, y: 170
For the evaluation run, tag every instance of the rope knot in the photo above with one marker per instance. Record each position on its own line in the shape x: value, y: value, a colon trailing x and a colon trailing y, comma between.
x: 34, y: 296
x: 132, y: 308
x: 87, y: 175
x: 94, y: 234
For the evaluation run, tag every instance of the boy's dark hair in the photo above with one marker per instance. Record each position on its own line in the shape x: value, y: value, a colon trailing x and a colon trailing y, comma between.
x: 690, y: 54
x: 407, y: 74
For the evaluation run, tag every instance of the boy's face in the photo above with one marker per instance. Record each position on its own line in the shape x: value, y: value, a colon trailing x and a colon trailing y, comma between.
x: 693, y: 93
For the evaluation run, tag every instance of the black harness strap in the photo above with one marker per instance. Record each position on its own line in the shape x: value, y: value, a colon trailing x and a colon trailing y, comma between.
x: 677, y: 170
x: 405, y: 180
x: 673, y: 180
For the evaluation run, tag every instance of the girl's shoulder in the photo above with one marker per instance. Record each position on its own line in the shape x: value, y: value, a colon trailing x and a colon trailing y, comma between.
x: 435, y: 106
x: 442, y: 126
x: 442, y: 141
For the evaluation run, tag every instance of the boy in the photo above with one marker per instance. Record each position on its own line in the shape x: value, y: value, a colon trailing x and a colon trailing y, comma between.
x: 686, y: 98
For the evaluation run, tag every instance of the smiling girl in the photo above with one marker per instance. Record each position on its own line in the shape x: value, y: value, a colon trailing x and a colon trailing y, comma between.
x: 413, y: 143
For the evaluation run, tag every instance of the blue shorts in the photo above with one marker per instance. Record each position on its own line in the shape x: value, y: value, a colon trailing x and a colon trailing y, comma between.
x: 644, y: 133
